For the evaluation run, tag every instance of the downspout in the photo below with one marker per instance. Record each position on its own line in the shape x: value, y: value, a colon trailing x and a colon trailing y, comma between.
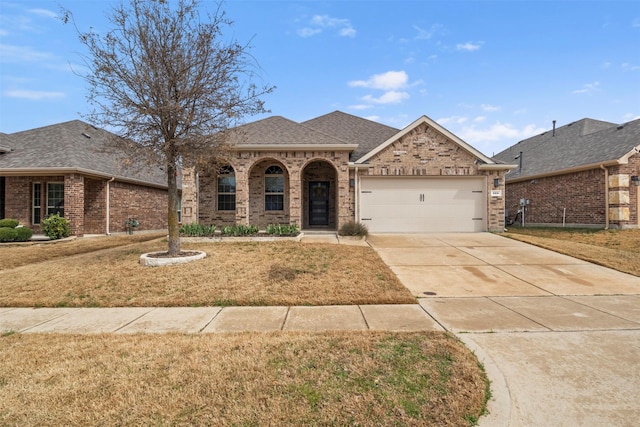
x: 108, y: 203
x: 606, y: 197
x: 356, y: 189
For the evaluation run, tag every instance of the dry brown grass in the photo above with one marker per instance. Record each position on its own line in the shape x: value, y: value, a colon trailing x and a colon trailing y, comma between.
x: 617, y: 249
x: 253, y: 273
x: 284, y: 379
x: 17, y: 254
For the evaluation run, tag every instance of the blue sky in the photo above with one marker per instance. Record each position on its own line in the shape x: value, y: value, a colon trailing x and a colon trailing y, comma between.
x: 492, y: 72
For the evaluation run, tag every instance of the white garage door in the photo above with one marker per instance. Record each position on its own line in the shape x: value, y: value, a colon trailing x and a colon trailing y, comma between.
x: 423, y: 205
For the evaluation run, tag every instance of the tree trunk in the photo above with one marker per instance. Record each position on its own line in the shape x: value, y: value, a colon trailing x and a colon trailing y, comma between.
x: 172, y: 214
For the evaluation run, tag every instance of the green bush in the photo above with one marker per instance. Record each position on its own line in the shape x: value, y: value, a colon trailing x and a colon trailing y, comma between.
x: 283, y: 229
x: 197, y: 230
x: 353, y: 229
x: 9, y: 223
x: 8, y: 234
x: 24, y: 234
x: 56, y: 227
x: 239, y: 230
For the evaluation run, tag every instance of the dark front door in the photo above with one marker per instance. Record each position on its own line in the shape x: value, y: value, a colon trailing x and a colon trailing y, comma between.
x: 319, y: 203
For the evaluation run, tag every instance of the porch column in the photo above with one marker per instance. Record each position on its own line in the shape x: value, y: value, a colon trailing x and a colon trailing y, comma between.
x: 295, y: 196
x: 74, y: 203
x: 242, y: 196
x: 344, y: 200
x: 189, y: 196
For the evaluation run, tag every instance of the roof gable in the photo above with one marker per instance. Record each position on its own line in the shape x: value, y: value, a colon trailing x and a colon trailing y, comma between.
x: 580, y: 144
x: 365, y: 133
x: 431, y: 123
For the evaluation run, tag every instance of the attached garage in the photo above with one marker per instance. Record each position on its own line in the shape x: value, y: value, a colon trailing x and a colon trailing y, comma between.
x: 400, y: 204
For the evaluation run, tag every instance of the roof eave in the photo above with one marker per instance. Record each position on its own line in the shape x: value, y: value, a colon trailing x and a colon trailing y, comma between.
x: 295, y: 147
x: 85, y: 172
x: 496, y: 167
x: 581, y: 168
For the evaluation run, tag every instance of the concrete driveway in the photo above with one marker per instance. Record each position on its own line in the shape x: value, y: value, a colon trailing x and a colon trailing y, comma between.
x: 559, y: 337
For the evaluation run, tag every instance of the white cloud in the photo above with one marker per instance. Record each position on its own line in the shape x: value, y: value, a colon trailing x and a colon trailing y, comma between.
x: 469, y: 46
x: 43, y: 12
x: 390, y: 97
x: 497, y: 132
x: 385, y: 81
x: 34, y: 94
x: 452, y: 120
x: 588, y: 88
x: 480, y: 119
x: 423, y: 34
x: 318, y: 23
x: 489, y: 108
x: 11, y: 53
x: 630, y: 67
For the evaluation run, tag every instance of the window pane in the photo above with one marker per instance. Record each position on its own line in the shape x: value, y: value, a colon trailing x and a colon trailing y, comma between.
x: 274, y: 202
x: 227, y: 184
x: 55, y: 199
x: 274, y: 184
x: 37, y: 201
x: 226, y: 202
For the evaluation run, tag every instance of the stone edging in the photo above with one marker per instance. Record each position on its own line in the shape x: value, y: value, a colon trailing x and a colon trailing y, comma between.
x: 149, y: 261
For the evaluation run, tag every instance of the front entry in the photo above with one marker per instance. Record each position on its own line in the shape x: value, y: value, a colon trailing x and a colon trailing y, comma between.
x: 319, y: 203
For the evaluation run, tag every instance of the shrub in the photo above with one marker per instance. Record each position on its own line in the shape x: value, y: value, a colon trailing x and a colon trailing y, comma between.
x: 24, y: 234
x: 239, y: 230
x: 9, y: 223
x: 56, y: 227
x: 8, y: 234
x: 353, y: 229
x: 197, y: 230
x: 283, y: 229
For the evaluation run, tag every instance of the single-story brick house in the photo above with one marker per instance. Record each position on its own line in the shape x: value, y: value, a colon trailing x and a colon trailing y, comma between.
x: 66, y: 168
x: 336, y: 168
x: 582, y: 174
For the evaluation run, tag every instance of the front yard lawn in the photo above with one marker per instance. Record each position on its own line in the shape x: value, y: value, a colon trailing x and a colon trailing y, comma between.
x: 251, y: 273
x: 617, y: 249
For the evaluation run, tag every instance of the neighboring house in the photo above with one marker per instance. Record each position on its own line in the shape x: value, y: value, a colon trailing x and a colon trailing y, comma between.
x: 68, y: 168
x: 337, y: 168
x: 581, y: 174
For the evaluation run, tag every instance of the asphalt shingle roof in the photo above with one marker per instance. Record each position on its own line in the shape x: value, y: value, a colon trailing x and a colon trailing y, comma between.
x: 278, y: 130
x: 73, y: 144
x: 356, y: 130
x: 581, y: 143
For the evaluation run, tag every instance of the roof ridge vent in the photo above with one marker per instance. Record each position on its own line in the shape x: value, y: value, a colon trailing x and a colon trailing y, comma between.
x: 620, y: 127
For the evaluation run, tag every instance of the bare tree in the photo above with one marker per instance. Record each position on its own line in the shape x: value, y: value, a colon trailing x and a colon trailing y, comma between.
x: 167, y: 82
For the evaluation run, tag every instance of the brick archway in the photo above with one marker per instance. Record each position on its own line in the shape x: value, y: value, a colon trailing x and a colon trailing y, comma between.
x: 319, y: 184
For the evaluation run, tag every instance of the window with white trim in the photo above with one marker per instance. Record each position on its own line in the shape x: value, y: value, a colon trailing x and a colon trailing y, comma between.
x: 226, y: 189
x: 55, y: 198
x: 36, y: 213
x: 274, y: 189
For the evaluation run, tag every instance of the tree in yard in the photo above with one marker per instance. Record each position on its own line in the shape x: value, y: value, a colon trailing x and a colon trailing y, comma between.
x: 169, y: 85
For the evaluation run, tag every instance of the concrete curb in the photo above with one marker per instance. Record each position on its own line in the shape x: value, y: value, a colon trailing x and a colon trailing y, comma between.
x: 499, y: 406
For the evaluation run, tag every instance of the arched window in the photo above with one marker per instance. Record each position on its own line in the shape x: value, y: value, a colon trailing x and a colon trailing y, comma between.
x: 274, y: 189
x: 226, y: 189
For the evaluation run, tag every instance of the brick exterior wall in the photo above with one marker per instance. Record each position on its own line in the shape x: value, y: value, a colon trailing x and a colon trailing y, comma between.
x: 300, y: 168
x: 580, y: 196
x: 85, y: 203
x: 148, y: 205
x: 426, y: 152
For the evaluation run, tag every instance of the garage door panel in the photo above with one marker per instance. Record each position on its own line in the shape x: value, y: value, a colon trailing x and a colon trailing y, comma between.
x: 423, y: 204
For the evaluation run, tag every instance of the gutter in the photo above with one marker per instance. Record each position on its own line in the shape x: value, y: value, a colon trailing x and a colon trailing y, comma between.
x: 606, y: 196
x: 568, y: 170
x: 295, y: 147
x: 86, y: 172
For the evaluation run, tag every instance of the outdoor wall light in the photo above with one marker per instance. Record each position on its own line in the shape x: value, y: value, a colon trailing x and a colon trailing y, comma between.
x: 635, y: 180
x: 496, y: 182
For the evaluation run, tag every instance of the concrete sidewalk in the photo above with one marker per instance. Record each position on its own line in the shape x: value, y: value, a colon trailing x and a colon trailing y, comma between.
x: 406, y: 317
